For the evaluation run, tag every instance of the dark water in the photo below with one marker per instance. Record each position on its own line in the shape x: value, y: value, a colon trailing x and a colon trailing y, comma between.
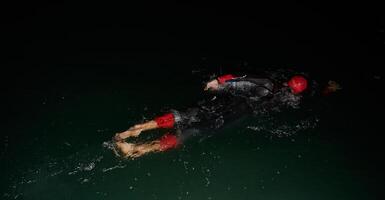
x: 71, y: 87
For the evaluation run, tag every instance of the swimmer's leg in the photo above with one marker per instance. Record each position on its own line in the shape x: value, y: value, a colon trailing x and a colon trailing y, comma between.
x: 135, y: 131
x: 130, y: 150
x: 164, y: 121
x: 123, y: 148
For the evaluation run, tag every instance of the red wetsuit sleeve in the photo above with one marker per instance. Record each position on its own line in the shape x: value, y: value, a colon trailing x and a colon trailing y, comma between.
x: 165, y: 121
x: 224, y: 78
x: 168, y: 141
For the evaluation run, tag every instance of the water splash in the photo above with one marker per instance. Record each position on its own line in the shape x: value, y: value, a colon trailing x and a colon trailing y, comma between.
x: 284, y: 129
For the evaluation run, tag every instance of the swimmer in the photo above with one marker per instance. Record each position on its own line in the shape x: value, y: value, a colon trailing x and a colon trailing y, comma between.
x: 236, y: 96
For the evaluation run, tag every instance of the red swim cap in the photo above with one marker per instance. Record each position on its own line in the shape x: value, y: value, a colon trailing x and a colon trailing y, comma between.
x: 297, y: 84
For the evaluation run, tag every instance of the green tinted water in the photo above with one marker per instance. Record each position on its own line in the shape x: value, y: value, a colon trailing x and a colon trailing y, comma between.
x: 53, y: 146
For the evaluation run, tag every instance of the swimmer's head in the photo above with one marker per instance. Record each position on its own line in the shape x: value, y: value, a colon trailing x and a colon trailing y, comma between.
x: 297, y: 84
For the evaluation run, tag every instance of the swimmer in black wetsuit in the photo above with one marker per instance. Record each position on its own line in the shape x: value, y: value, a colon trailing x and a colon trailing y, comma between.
x: 233, y: 97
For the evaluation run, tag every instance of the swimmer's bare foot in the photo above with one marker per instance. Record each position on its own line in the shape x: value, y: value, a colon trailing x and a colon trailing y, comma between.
x: 117, y: 138
x: 130, y: 150
x: 129, y: 133
x: 125, y: 148
x: 135, y: 131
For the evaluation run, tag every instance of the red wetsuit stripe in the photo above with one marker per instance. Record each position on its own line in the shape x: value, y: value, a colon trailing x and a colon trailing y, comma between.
x: 165, y: 121
x: 168, y: 141
x: 224, y: 78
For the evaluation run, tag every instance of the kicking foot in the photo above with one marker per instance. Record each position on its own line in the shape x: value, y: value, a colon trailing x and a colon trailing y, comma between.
x: 124, y: 149
x: 117, y: 138
x: 129, y: 133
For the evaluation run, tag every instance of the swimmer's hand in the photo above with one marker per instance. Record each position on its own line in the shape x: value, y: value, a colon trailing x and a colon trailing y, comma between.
x: 212, y: 85
x: 331, y: 88
x: 117, y: 138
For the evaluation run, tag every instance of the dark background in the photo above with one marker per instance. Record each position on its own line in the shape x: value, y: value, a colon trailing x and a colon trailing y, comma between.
x: 44, y: 42
x: 47, y: 34
x: 79, y: 47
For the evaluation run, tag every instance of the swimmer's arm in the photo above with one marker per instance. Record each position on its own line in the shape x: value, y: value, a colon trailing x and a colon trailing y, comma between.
x: 220, y: 81
x: 231, y: 80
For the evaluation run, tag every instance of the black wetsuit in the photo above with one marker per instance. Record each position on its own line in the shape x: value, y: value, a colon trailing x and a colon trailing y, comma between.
x: 234, y: 99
